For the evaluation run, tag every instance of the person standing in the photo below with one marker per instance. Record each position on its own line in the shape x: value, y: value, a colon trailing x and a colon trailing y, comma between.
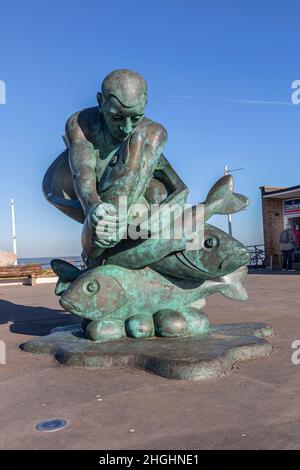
x: 287, y: 243
x: 297, y: 234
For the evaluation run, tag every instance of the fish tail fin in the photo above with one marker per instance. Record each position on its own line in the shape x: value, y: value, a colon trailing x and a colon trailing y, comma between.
x: 66, y: 273
x: 235, y: 292
x: 222, y: 200
x: 231, y: 285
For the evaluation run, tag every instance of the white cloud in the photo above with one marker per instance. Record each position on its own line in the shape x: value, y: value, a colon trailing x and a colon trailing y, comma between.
x: 235, y: 100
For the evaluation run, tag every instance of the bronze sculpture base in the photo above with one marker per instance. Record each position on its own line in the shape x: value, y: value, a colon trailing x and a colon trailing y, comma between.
x: 188, y: 358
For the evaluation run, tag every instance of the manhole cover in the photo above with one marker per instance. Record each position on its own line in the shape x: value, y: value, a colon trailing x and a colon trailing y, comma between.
x: 51, y: 425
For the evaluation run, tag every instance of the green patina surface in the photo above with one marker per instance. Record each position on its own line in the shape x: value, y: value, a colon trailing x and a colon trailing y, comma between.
x: 147, y: 286
x: 189, y: 358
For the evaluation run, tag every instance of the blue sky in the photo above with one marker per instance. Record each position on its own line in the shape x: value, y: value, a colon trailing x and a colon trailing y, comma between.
x: 214, y: 68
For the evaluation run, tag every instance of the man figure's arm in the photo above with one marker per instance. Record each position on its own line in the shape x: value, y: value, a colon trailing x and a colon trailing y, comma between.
x: 100, y: 217
x: 82, y: 162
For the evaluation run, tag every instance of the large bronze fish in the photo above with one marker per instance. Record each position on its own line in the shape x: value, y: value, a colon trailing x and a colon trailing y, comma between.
x: 149, y: 286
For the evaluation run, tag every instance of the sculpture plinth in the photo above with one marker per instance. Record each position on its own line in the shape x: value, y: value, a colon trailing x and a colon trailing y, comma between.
x: 190, y: 358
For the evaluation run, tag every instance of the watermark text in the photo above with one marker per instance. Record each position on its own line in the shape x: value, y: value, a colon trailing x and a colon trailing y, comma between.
x: 141, y: 221
x: 296, y: 354
x: 2, y: 352
x: 296, y: 94
x: 2, y: 92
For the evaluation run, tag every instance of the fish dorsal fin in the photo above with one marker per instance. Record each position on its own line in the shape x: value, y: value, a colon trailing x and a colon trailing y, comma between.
x: 66, y: 272
x: 222, y: 200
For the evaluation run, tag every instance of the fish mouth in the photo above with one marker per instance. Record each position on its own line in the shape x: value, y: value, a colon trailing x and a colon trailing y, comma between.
x: 236, y: 260
x: 70, y: 306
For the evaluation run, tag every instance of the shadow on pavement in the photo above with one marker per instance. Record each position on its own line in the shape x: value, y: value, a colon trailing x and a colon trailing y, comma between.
x: 32, y: 320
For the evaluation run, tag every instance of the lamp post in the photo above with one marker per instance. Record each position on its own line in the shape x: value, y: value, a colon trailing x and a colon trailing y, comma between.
x: 227, y: 172
x: 13, y: 221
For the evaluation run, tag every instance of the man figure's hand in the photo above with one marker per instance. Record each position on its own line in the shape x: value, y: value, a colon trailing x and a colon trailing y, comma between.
x: 107, y: 226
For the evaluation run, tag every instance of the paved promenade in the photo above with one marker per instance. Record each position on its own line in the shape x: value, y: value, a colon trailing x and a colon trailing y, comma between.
x: 256, y: 406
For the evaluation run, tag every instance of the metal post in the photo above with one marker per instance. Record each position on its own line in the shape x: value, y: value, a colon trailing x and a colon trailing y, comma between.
x: 226, y: 172
x: 14, y: 228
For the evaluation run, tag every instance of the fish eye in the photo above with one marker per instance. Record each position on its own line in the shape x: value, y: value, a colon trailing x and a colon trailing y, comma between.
x: 210, y: 243
x: 91, y: 287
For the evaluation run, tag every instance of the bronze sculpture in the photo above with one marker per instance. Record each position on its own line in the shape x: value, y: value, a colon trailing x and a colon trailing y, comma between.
x: 139, y: 283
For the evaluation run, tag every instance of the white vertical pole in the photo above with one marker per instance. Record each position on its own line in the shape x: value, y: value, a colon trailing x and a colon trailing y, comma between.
x: 229, y: 215
x: 13, y: 220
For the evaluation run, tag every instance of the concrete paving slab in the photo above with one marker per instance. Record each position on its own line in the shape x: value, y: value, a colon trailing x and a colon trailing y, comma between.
x: 256, y: 406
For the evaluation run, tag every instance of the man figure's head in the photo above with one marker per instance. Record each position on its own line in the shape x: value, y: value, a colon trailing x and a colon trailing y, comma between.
x: 122, y: 102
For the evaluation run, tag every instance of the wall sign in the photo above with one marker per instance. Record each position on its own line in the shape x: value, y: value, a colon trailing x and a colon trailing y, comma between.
x: 292, y: 206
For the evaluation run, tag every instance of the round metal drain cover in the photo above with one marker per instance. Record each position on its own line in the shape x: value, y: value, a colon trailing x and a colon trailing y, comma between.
x: 51, y: 425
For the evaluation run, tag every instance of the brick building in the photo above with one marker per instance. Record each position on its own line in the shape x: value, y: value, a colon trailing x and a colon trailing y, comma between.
x: 279, y: 206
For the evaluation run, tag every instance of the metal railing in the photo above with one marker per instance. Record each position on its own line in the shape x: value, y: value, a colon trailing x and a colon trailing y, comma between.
x: 257, y: 258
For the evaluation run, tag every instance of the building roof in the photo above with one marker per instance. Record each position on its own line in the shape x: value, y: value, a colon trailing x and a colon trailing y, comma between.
x: 280, y: 193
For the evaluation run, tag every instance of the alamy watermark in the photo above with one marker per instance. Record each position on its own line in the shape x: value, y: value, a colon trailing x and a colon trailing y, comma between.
x: 2, y: 92
x: 296, y: 94
x: 296, y: 354
x: 143, y: 221
x: 2, y: 352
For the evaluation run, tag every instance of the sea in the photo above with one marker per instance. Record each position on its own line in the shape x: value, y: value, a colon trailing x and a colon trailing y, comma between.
x: 45, y: 262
